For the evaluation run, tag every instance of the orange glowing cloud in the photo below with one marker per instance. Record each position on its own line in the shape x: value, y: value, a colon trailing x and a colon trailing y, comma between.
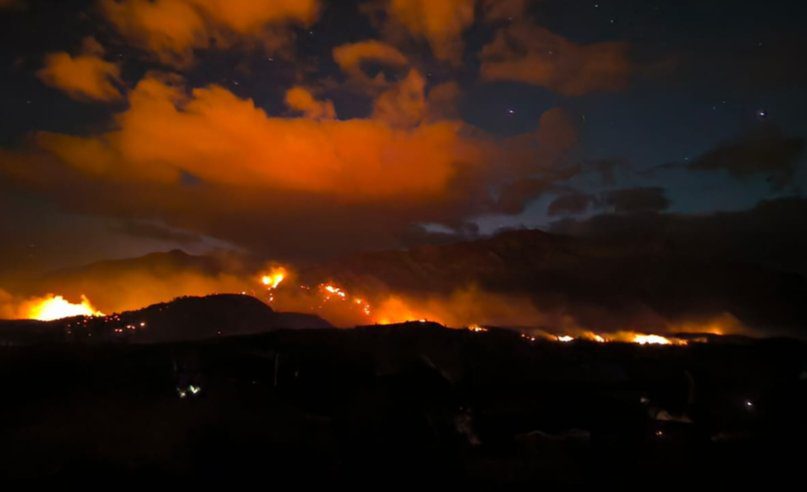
x: 351, y: 56
x: 223, y: 139
x: 523, y: 52
x: 403, y: 105
x: 172, y: 29
x: 300, y: 99
x: 499, y: 10
x: 208, y: 161
x: 86, y: 76
x: 440, y: 23
x: 443, y: 100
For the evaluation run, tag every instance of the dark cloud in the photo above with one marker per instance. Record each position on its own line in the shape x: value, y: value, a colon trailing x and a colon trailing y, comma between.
x: 570, y: 203
x: 766, y: 151
x: 550, y: 163
x: 635, y: 200
x: 773, y: 233
x: 607, y: 169
x: 152, y: 230
x: 514, y: 197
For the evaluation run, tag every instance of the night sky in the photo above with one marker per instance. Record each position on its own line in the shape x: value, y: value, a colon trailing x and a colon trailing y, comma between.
x: 305, y: 129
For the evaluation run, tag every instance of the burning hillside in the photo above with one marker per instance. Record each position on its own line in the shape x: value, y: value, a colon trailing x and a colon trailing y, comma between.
x: 543, y: 285
x: 182, y: 319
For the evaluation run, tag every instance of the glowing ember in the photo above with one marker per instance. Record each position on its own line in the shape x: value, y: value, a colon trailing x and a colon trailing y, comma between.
x: 477, y: 329
x: 54, y: 307
x: 365, y: 306
x: 274, y: 277
x: 331, y: 289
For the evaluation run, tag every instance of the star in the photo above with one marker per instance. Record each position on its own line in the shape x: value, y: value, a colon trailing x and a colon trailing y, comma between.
x: 511, y: 111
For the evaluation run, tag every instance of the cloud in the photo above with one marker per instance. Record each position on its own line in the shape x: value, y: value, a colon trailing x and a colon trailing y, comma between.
x: 210, y: 162
x: 403, y: 105
x: 524, y: 52
x: 763, y: 151
x: 516, y: 195
x: 557, y: 130
x: 539, y: 161
x: 607, y: 168
x: 351, y: 58
x: 220, y: 138
x: 300, y: 99
x: 503, y: 10
x: 152, y: 230
x: 172, y: 29
x: 400, y: 102
x: 86, y: 76
x: 443, y: 101
x: 636, y: 200
x: 570, y: 203
x: 621, y: 201
x: 439, y: 23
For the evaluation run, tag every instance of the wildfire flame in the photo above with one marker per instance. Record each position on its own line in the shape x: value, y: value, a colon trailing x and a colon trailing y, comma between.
x: 52, y: 307
x: 651, y: 340
x: 272, y: 279
x: 621, y: 336
x: 330, y: 298
x: 470, y: 309
x: 334, y: 290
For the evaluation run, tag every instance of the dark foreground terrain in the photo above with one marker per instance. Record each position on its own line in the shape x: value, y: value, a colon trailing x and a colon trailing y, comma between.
x: 407, y: 404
